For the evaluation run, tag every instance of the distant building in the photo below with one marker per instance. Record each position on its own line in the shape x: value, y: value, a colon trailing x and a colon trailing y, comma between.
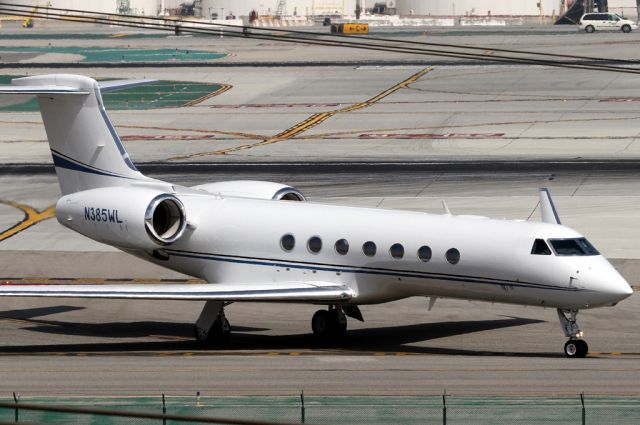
x: 137, y: 7
x: 205, y: 7
x: 497, y: 7
x: 224, y: 8
x: 269, y: 7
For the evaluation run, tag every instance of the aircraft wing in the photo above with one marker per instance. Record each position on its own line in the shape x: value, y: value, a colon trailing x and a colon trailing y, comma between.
x: 283, y: 292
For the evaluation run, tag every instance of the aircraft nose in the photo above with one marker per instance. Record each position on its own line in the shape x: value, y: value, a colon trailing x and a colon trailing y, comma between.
x: 609, y: 285
x: 617, y: 288
x: 624, y: 289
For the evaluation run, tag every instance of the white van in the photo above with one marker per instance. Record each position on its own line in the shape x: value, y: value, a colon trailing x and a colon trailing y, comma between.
x: 606, y: 21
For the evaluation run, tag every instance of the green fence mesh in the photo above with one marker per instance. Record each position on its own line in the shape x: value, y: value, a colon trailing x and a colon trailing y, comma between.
x: 349, y: 410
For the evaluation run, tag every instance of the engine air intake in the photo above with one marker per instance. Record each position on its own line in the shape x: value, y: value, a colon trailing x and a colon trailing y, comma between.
x: 165, y: 219
x: 288, y: 194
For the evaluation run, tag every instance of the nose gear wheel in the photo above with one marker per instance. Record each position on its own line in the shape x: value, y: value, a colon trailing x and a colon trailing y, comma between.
x: 575, y: 347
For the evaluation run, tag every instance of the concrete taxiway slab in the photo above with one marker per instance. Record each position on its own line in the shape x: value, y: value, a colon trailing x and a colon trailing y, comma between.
x: 473, y: 112
x: 142, y: 347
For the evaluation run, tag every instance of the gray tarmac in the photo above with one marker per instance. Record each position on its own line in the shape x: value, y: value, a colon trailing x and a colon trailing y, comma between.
x: 141, y: 348
x: 374, y: 112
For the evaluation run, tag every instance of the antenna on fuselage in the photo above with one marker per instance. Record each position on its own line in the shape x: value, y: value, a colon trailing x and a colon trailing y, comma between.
x: 447, y: 211
x: 547, y: 208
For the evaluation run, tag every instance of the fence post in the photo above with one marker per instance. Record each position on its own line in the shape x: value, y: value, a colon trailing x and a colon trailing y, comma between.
x: 164, y: 410
x: 302, y: 406
x: 16, y: 413
x: 444, y: 408
x: 584, y: 412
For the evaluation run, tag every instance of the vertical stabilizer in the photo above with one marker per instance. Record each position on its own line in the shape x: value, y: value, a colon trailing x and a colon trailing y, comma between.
x: 86, y: 149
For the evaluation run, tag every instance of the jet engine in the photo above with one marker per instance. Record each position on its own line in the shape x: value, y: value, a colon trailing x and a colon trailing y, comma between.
x: 253, y: 189
x: 127, y: 217
x: 165, y: 219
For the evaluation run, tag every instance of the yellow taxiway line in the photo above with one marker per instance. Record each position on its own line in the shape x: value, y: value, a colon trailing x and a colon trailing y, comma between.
x: 31, y: 217
x: 312, y: 121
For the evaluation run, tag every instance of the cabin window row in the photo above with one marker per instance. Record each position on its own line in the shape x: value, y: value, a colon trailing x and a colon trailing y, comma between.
x: 369, y: 249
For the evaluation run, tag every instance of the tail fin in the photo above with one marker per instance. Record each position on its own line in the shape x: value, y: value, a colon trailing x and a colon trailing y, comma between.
x: 86, y: 149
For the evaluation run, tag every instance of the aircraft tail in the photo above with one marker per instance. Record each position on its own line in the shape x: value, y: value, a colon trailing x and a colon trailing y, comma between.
x: 87, y: 152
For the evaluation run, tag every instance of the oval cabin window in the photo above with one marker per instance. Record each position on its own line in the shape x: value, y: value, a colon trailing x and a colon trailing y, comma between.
x: 342, y: 246
x: 453, y: 256
x: 287, y: 242
x: 314, y: 244
x: 369, y: 249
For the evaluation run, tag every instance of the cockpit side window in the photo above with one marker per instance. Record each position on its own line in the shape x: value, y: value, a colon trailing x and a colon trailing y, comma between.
x: 540, y: 247
x: 569, y: 247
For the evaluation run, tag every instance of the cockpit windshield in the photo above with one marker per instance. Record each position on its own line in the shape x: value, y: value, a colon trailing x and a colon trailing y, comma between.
x: 573, y: 246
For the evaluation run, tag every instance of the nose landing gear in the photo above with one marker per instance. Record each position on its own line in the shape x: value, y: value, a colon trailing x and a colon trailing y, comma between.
x: 575, y: 346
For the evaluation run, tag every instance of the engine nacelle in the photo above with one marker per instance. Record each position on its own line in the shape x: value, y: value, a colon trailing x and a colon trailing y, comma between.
x: 253, y: 189
x: 128, y: 217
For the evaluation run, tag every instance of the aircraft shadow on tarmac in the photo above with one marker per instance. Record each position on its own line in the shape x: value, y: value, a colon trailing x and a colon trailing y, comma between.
x: 176, y: 338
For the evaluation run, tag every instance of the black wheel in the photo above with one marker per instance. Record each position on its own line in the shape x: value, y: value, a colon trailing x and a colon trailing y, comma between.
x: 217, y: 335
x: 583, y: 348
x: 321, y: 324
x: 576, y: 348
x: 626, y: 28
x: 589, y: 29
x: 328, y: 324
x: 571, y: 348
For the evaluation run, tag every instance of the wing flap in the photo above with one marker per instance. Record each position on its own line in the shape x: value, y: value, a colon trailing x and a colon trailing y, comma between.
x: 287, y: 291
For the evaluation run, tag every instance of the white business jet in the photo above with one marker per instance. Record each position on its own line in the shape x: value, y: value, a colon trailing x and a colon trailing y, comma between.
x: 261, y: 241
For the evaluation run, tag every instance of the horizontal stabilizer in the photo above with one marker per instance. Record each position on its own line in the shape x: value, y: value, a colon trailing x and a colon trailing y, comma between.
x: 107, y: 86
x: 283, y: 292
x: 31, y: 90
x: 18, y: 86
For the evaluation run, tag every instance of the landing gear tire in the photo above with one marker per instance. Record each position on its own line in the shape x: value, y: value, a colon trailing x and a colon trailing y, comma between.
x: 217, y: 335
x: 320, y: 324
x: 576, y: 348
x: 329, y: 324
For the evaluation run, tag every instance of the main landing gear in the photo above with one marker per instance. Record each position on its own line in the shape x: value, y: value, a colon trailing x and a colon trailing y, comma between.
x: 212, y: 327
x: 331, y: 324
x: 575, y: 346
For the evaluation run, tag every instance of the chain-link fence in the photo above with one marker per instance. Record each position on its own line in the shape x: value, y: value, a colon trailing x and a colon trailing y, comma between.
x: 323, y: 410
